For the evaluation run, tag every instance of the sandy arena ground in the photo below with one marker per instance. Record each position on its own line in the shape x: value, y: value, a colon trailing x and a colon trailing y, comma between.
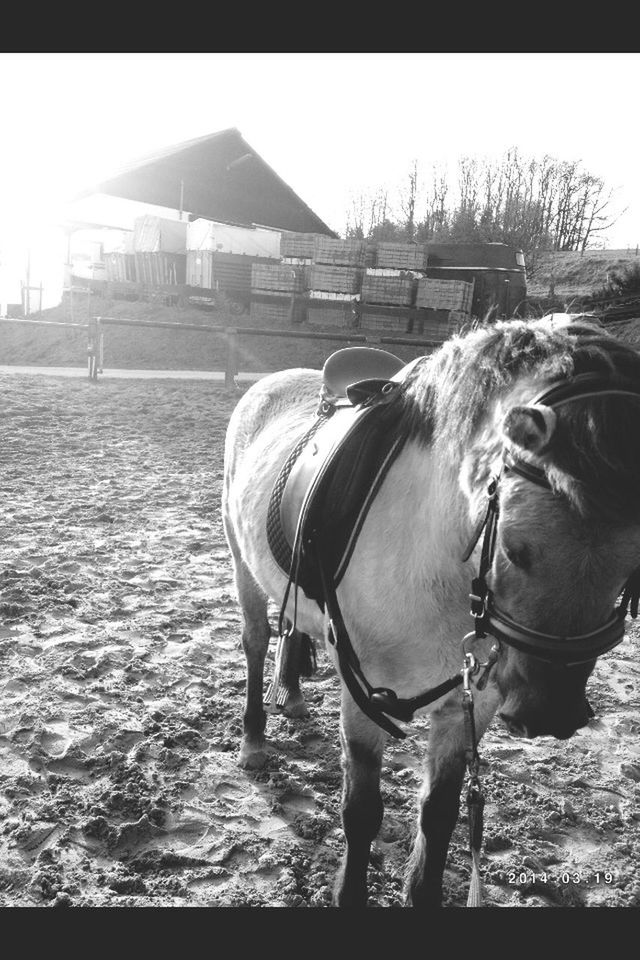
x: 122, y: 682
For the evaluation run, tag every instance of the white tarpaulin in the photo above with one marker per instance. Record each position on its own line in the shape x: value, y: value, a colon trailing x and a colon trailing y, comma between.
x: 157, y: 235
x: 225, y: 238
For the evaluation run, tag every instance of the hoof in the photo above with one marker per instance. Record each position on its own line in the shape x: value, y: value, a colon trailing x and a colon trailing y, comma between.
x: 296, y: 708
x: 252, y: 757
x: 288, y: 701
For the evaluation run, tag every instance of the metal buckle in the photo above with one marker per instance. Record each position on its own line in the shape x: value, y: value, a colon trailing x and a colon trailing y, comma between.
x: 470, y: 668
x: 472, y: 665
x: 483, y: 610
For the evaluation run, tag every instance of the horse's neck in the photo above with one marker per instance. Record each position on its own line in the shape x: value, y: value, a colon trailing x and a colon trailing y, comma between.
x: 407, y: 570
x: 425, y: 516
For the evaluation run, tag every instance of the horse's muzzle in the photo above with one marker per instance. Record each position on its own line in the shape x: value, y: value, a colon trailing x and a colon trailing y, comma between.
x: 531, y: 727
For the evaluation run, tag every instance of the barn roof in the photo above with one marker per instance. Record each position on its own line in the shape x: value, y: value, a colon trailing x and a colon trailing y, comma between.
x: 222, y: 177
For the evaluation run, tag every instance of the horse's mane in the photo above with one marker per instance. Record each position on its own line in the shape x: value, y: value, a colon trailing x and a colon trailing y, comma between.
x: 596, y: 442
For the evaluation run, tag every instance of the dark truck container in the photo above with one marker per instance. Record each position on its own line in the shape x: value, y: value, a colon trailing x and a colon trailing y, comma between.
x: 498, y: 272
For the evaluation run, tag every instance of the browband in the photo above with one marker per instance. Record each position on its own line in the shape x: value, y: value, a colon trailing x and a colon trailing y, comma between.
x: 586, y: 385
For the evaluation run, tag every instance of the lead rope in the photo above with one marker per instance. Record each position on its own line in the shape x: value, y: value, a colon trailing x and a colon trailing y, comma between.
x: 475, y: 796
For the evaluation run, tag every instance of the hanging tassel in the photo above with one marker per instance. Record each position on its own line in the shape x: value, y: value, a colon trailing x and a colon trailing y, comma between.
x: 475, y: 808
x: 276, y: 695
x: 475, y: 889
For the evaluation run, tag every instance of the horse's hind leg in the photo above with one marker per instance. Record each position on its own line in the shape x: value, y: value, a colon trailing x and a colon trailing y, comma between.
x: 440, y: 800
x: 255, y: 642
x: 362, y: 809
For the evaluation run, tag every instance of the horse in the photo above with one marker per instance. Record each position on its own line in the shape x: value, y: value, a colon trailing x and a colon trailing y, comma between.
x: 512, y: 463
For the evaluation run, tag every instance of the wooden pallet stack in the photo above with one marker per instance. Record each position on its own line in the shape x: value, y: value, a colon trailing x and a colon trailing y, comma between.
x: 401, y: 256
x: 334, y: 282
x: 297, y: 246
x: 277, y: 278
x: 444, y: 294
x: 444, y: 306
x: 389, y: 287
x: 277, y: 294
x: 276, y: 311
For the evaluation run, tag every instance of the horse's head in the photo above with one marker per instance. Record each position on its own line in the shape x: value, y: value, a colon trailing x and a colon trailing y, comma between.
x: 567, y: 538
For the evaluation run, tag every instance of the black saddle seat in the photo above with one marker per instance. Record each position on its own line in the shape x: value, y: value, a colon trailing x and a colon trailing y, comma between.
x: 352, y: 364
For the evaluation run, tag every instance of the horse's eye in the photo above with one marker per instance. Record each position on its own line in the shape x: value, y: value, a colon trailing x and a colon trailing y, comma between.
x: 518, y: 554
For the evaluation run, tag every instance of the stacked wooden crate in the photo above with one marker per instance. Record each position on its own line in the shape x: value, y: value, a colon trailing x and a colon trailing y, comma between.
x: 277, y: 277
x: 334, y: 281
x: 401, y: 256
x: 389, y: 287
x: 331, y: 279
x: 393, y: 287
x: 435, y: 324
x: 444, y: 306
x: 277, y: 294
x: 436, y: 294
x: 341, y: 253
x: 297, y: 246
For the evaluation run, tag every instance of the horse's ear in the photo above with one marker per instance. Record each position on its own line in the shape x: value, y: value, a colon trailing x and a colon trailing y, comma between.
x: 530, y: 427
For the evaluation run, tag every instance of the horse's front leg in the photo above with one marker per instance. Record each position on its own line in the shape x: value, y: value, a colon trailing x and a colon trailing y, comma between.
x: 439, y: 799
x: 362, y: 745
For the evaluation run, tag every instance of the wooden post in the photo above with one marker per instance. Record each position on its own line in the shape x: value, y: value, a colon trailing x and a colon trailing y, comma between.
x: 27, y: 305
x: 232, y: 360
x: 92, y: 347
x: 100, y: 346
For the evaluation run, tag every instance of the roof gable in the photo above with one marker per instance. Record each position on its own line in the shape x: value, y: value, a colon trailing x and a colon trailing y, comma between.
x: 218, y: 177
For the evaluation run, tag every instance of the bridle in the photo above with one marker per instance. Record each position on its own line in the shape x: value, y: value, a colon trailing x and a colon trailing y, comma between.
x: 382, y: 703
x: 563, y: 651
x: 489, y: 619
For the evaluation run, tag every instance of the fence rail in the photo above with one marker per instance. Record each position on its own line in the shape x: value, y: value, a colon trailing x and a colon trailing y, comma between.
x: 44, y: 323
x: 95, y: 338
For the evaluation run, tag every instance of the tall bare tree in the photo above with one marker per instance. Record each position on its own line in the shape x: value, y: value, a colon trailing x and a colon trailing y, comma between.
x: 408, y: 199
x: 529, y: 202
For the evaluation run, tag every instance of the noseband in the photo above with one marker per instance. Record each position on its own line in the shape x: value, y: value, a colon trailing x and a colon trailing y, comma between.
x: 489, y: 619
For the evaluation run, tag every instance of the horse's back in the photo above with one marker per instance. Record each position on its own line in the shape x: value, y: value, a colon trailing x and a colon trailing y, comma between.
x: 280, y: 401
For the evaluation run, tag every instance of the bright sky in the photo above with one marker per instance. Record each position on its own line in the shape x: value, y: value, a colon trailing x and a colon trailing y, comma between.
x: 330, y: 124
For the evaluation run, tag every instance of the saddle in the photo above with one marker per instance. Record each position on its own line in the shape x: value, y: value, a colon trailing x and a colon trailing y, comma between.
x: 325, y: 488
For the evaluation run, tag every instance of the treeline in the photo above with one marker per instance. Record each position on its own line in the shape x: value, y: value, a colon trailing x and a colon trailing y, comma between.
x: 530, y: 203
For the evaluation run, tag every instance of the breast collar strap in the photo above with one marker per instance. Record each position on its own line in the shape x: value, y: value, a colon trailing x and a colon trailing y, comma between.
x: 489, y: 619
